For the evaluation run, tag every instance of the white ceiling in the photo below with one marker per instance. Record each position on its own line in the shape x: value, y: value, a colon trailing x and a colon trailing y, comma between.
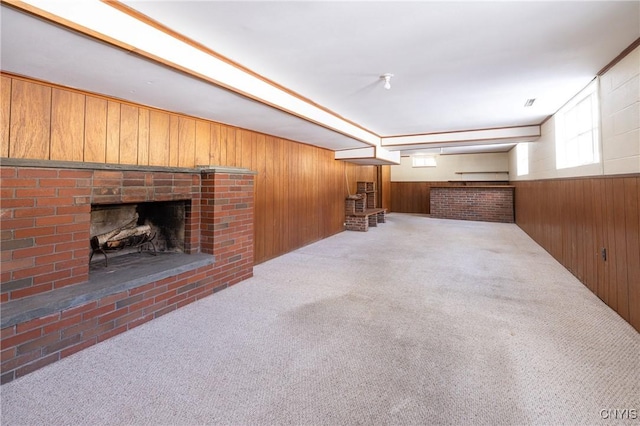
x: 457, y: 65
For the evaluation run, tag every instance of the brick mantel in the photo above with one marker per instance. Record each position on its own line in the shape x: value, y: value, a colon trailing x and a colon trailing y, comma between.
x: 45, y: 222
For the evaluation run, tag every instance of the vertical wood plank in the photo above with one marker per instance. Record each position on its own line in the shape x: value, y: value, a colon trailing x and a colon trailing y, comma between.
x: 386, y: 187
x: 283, y: 188
x: 600, y: 211
x: 128, y: 134
x: 575, y: 223
x: 30, y: 128
x: 143, y: 136
x: 270, y: 184
x: 187, y: 142
x: 620, y: 243
x: 278, y: 201
x: 159, y: 138
x: 612, y: 293
x: 246, y: 145
x: 223, y: 145
x: 632, y: 230
x: 215, y: 144
x: 238, y: 144
x: 95, y: 130
x: 5, y: 114
x: 113, y: 132
x: 67, y: 125
x: 203, y: 143
x: 261, y: 199
x: 588, y: 246
x: 174, y: 132
x: 296, y: 191
x: 231, y: 146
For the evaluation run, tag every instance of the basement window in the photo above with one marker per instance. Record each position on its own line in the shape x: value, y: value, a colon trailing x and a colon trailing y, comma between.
x: 578, y: 130
x: 522, y: 157
x: 423, y: 161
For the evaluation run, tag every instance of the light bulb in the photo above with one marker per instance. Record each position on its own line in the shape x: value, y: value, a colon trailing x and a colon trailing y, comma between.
x: 387, y: 80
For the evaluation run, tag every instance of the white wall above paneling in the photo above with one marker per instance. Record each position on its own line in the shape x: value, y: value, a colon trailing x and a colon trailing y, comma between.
x: 449, y: 167
x: 620, y: 130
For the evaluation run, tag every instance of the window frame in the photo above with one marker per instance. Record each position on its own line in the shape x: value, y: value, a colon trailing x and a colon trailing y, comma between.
x: 573, y: 130
x: 425, y: 158
x: 522, y: 157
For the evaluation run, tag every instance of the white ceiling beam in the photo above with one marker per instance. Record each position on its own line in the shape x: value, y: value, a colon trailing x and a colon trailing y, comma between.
x: 369, y: 156
x: 487, y: 136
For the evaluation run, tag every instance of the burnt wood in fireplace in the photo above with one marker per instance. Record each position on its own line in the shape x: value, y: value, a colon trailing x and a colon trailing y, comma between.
x: 127, y: 228
x: 129, y: 235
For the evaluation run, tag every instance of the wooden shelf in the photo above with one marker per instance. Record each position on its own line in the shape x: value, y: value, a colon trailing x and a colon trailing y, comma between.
x: 473, y: 173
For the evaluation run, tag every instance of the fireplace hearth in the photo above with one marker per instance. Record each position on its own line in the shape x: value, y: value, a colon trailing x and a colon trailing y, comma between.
x: 56, y: 302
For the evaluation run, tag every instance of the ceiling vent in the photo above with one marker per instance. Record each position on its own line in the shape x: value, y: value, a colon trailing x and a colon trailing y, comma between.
x: 529, y: 102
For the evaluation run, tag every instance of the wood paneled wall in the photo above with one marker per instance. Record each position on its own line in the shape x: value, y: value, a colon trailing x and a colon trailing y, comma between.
x: 384, y: 173
x: 300, y: 189
x: 574, y: 219
x: 415, y: 197
x: 412, y: 197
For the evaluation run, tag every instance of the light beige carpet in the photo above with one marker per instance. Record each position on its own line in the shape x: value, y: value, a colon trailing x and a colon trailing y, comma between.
x: 418, y: 321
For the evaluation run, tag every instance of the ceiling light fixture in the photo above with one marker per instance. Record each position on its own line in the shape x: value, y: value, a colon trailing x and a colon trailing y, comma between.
x: 387, y: 80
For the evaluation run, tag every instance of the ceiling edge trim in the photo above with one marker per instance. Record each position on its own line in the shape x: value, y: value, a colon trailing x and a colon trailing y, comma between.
x: 620, y: 57
x: 161, y: 27
x: 58, y: 20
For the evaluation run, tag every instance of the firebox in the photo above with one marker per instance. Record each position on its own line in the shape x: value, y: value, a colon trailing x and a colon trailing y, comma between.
x: 151, y: 227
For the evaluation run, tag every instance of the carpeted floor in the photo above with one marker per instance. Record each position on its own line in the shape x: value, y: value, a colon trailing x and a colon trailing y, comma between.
x: 419, y: 321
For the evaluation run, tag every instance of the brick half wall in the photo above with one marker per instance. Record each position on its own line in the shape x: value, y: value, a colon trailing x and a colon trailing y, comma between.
x: 480, y: 203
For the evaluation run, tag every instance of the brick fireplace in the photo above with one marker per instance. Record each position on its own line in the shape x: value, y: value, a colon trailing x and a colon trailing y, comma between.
x: 54, y: 303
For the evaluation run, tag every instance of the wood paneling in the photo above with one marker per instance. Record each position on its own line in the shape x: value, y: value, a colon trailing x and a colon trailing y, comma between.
x: 159, y: 130
x: 299, y: 190
x: 222, y: 145
x: 260, y: 202
x: 174, y: 143
x: 143, y: 136
x: 230, y: 143
x: 411, y: 197
x: 5, y: 115
x: 95, y: 130
x: 30, y: 135
x: 214, y: 153
x: 113, y: 132
x: 186, y: 142
x: 385, y: 177
x: 128, y: 134
x: 203, y: 143
x: 632, y: 229
x: 574, y: 219
x: 67, y: 125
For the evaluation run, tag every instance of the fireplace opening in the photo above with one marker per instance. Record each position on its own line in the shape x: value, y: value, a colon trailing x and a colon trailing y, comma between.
x: 146, y: 228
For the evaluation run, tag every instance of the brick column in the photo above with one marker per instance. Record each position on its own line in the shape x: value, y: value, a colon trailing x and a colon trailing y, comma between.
x: 226, y: 229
